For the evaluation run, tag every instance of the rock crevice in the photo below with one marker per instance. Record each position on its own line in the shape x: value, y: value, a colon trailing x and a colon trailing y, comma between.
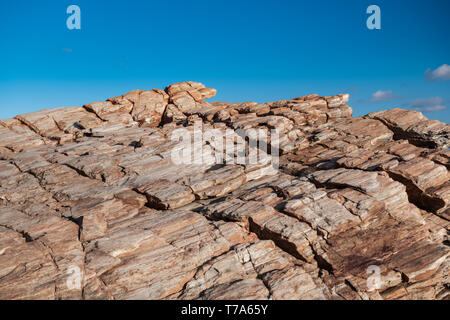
x: 93, y: 205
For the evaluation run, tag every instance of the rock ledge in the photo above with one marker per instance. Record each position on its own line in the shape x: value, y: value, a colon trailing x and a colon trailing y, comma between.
x: 93, y: 207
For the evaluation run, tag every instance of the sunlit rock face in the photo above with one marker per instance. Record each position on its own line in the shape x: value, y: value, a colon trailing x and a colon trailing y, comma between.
x: 92, y: 205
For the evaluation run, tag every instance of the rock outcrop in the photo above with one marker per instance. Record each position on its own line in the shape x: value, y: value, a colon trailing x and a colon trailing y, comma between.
x: 93, y: 206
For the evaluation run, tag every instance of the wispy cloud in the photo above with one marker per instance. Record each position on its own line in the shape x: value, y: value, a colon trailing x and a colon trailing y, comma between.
x: 440, y: 74
x: 427, y: 105
x: 431, y: 108
x: 381, y: 95
x: 67, y: 50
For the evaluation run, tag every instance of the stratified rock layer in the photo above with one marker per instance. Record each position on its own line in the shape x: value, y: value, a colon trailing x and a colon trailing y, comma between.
x: 92, y: 205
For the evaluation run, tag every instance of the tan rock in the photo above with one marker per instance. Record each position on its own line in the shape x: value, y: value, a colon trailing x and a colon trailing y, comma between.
x: 146, y: 107
x: 92, y: 205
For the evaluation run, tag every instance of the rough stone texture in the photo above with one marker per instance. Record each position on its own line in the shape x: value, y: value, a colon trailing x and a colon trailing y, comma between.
x: 93, y: 191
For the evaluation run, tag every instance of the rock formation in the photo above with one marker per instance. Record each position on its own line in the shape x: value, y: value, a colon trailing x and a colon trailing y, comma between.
x: 93, y: 207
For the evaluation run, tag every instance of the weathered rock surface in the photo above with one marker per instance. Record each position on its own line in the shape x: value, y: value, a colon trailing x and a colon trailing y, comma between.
x: 92, y: 205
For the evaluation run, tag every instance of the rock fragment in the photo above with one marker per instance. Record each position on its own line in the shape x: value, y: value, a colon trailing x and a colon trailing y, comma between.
x: 93, y: 205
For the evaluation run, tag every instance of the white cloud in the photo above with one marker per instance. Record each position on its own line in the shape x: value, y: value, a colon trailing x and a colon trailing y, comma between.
x: 440, y: 74
x: 425, y: 102
x: 381, y: 95
x: 431, y: 108
x: 427, y: 105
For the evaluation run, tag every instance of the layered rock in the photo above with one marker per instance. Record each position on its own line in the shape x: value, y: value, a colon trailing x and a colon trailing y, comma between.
x: 93, y: 205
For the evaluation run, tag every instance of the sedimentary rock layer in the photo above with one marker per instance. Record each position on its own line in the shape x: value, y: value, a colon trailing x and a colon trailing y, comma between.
x: 93, y: 206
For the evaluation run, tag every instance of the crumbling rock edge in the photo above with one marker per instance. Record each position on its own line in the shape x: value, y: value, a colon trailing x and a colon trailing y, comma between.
x: 93, y: 207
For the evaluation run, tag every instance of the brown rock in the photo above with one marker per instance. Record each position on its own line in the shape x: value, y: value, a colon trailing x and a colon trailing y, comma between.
x: 93, y: 207
x: 146, y: 107
x: 188, y: 96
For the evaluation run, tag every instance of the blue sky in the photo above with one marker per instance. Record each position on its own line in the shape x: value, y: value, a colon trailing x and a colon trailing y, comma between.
x: 250, y: 50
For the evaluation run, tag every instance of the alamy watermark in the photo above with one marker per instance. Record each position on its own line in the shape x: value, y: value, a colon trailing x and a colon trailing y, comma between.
x: 225, y: 146
x: 75, y: 278
x: 374, y: 20
x: 374, y: 280
x: 74, y: 20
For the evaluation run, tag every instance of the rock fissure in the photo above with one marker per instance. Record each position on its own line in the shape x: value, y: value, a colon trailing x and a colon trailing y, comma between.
x: 95, y: 188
